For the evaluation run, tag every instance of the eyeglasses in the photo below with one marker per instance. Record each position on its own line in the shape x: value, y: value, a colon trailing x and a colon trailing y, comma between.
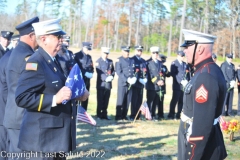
x: 154, y: 52
x: 58, y: 36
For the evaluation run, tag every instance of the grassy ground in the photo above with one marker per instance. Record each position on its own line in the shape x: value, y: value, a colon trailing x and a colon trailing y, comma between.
x: 148, y: 140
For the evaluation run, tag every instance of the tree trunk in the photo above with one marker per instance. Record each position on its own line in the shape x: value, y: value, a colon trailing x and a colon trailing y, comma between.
x: 130, y: 22
x: 170, y: 38
x: 182, y: 23
x: 138, y: 24
x: 206, y: 26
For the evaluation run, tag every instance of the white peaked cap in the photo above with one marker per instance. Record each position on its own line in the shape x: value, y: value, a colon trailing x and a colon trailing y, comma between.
x: 199, y: 37
x: 48, y: 27
x: 154, y: 49
x: 105, y: 49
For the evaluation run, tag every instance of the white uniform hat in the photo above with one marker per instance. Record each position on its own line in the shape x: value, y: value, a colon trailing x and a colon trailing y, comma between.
x: 154, y: 49
x: 193, y: 37
x: 105, y: 50
x: 48, y: 27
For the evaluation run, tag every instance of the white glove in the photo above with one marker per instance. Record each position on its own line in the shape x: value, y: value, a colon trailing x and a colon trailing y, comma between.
x: 129, y: 80
x: 88, y: 75
x: 232, y: 83
x: 141, y: 81
x: 184, y: 82
x: 145, y: 80
x: 109, y: 79
x: 134, y: 79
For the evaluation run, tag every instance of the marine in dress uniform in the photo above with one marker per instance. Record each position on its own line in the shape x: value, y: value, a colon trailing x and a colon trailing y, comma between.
x: 124, y: 69
x: 199, y: 135
x: 85, y: 63
x: 180, y: 74
x: 228, y: 69
x: 65, y: 57
x: 154, y: 85
x: 140, y: 73
x: 48, y: 126
x: 15, y: 66
x: 105, y: 74
x: 4, y: 41
x: 238, y: 85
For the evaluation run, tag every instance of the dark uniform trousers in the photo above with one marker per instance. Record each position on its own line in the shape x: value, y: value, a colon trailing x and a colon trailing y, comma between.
x: 85, y: 63
x: 104, y: 69
x: 229, y: 74
x: 4, y: 143
x: 153, y: 102
x: 124, y: 69
x: 238, y: 85
x: 178, y: 72
x: 15, y: 66
x: 137, y: 88
x: 202, y: 105
x: 44, y: 129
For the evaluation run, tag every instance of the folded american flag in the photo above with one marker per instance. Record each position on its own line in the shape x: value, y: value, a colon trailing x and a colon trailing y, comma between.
x: 84, y: 116
x: 145, y: 110
x: 75, y: 82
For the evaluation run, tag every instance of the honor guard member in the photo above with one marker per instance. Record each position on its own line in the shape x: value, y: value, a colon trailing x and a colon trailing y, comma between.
x: 105, y: 73
x: 4, y: 41
x: 154, y: 85
x: 65, y: 57
x: 140, y: 73
x: 15, y: 67
x: 214, y: 57
x: 84, y: 60
x: 124, y: 67
x: 238, y: 84
x: 228, y: 69
x: 200, y: 135
x: 180, y: 74
x: 3, y: 95
x: 48, y: 126
x: 166, y: 73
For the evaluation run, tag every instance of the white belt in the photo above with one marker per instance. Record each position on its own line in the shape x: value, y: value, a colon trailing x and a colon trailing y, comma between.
x: 188, y: 120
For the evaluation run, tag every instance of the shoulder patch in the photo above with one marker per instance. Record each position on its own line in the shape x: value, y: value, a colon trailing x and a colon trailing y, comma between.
x: 26, y: 58
x: 201, y: 94
x: 31, y: 66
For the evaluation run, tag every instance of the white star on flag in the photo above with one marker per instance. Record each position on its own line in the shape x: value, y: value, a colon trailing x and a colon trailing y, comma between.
x: 68, y: 79
x: 76, y: 92
x: 76, y: 77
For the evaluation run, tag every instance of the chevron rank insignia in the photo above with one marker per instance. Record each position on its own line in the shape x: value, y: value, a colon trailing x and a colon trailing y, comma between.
x: 201, y: 94
x: 31, y: 66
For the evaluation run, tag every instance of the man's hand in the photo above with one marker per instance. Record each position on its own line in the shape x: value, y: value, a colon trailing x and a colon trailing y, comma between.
x: 89, y: 75
x: 84, y: 97
x: 160, y: 83
x: 184, y: 82
x: 64, y: 93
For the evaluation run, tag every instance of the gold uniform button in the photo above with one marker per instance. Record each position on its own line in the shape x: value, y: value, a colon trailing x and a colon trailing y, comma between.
x: 189, y: 153
x: 191, y: 146
x: 72, y: 117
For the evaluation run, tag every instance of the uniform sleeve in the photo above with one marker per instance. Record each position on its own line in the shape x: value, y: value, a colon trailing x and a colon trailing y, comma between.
x: 112, y: 69
x: 174, y: 72
x: 78, y: 56
x: 119, y: 71
x: 223, y: 68
x: 29, y: 93
x: 100, y: 72
x: 206, y: 92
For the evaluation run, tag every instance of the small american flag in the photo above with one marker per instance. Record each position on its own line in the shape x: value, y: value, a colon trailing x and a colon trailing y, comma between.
x: 75, y: 82
x: 84, y: 116
x: 145, y: 110
x: 221, y: 120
